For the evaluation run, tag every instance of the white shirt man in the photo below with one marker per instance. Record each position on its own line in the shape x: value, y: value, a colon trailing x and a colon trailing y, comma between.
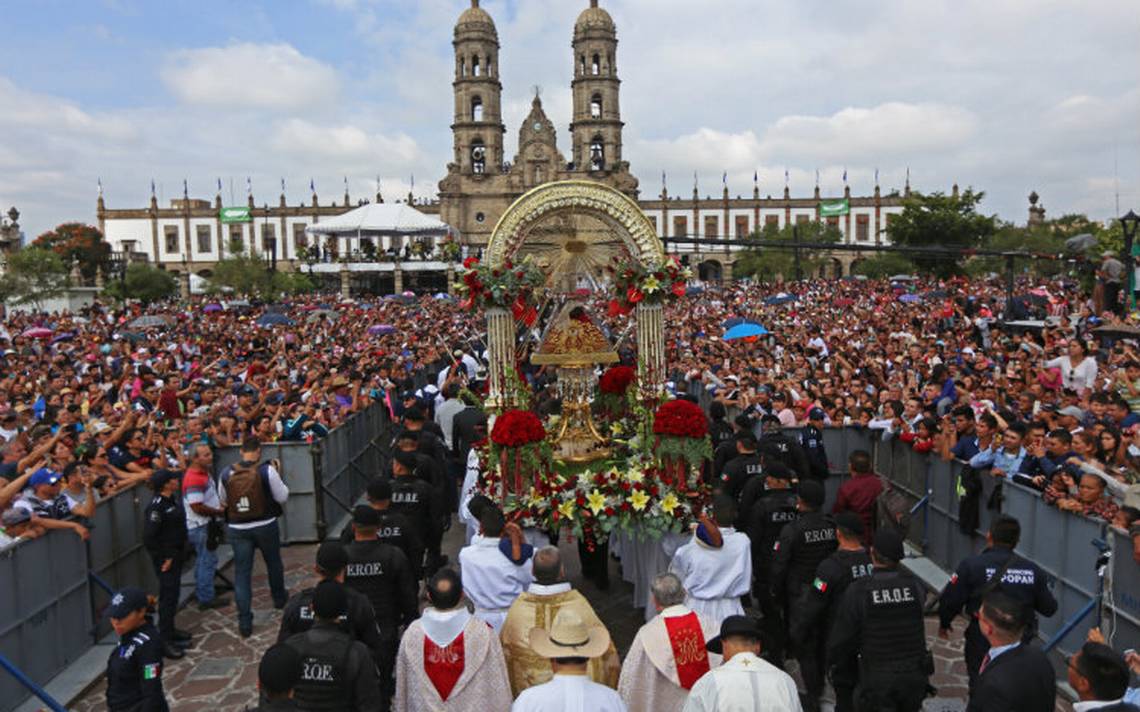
x: 746, y: 682
x: 715, y: 567
x: 490, y: 579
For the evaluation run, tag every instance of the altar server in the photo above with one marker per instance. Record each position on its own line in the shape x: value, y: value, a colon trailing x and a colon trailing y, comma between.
x: 716, y: 566
x: 493, y: 578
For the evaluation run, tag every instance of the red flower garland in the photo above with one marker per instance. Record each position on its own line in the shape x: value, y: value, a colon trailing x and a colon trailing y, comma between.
x: 680, y: 418
x: 616, y: 380
x: 516, y: 428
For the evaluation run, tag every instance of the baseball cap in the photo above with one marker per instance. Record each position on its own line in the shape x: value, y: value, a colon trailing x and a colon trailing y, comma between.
x: 331, y: 556
x: 379, y: 489
x: 849, y: 522
x: 816, y: 414
x: 44, y: 476
x: 812, y: 492
x: 15, y: 516
x: 888, y: 544
x: 159, y: 479
x: 1073, y: 412
x: 127, y: 601
x: 330, y: 600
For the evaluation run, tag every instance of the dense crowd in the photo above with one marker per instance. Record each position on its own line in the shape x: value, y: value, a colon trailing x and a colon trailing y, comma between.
x: 107, y: 399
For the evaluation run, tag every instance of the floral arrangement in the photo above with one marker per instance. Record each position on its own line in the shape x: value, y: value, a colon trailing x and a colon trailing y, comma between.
x: 682, y: 440
x: 512, y: 286
x: 612, y: 389
x: 449, y: 249
x: 635, y: 283
x: 519, y: 449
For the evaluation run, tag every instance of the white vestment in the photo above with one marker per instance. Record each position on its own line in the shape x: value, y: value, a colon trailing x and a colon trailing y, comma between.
x: 470, y: 480
x: 649, y: 681
x: 568, y: 693
x: 715, y: 578
x: 483, y: 684
x: 745, y: 683
x: 490, y: 580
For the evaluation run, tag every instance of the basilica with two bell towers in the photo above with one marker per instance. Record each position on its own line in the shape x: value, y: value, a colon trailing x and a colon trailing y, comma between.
x: 481, y: 183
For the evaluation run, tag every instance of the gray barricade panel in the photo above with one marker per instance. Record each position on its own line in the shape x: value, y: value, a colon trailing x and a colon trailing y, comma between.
x: 1123, y: 623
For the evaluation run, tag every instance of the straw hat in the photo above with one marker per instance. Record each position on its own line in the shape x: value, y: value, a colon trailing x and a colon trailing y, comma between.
x: 569, y: 637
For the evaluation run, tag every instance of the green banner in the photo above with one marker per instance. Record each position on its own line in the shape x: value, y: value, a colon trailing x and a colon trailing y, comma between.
x: 239, y: 214
x: 832, y: 208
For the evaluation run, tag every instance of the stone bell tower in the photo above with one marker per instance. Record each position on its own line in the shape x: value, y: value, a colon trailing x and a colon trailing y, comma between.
x: 478, y: 127
x: 596, y: 127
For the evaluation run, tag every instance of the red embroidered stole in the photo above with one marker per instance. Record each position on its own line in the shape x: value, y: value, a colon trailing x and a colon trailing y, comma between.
x: 688, y: 641
x: 444, y: 665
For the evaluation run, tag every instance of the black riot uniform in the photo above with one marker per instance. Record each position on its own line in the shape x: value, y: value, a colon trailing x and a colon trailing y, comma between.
x: 134, y: 673
x: 382, y: 573
x: 164, y: 535
x: 1022, y: 580
x: 879, y: 629
x: 359, y: 622
x: 778, y: 447
x: 738, y: 472
x: 769, y: 512
x: 815, y: 615
x: 395, y: 529
x: 811, y: 439
x: 420, y: 505
x: 802, y: 545
x: 337, y: 672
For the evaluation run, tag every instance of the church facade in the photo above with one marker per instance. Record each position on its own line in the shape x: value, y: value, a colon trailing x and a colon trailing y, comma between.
x: 481, y: 181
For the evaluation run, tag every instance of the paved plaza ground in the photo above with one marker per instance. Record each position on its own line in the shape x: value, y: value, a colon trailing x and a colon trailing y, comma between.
x: 220, y: 671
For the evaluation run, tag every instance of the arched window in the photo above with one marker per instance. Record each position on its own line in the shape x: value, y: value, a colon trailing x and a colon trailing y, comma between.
x: 478, y: 156
x: 489, y: 72
x: 463, y: 66
x: 596, y: 65
x: 539, y: 174
x: 475, y: 69
x: 597, y: 154
x: 596, y: 106
x: 476, y: 109
x: 581, y: 64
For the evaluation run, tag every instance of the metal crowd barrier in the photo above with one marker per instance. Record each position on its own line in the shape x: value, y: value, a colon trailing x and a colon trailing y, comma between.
x: 116, y: 557
x: 324, y: 477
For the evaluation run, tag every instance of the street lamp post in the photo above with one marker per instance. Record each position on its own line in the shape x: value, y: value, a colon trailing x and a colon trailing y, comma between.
x: 270, y: 242
x: 1129, y: 223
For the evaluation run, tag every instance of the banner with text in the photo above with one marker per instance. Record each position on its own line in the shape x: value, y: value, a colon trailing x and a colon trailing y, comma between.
x: 241, y: 214
x: 833, y: 208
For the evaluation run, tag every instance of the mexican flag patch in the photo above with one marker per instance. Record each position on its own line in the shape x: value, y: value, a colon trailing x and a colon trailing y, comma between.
x: 820, y: 585
x: 150, y: 672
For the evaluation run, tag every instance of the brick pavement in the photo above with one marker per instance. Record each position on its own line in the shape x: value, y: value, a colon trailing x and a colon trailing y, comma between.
x: 220, y: 671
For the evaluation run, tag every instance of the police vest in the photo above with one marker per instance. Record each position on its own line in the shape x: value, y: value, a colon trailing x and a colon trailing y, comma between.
x: 324, y: 683
x: 815, y: 540
x: 894, y: 635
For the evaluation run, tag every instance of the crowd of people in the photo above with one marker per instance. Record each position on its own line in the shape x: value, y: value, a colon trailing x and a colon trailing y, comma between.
x: 108, y: 399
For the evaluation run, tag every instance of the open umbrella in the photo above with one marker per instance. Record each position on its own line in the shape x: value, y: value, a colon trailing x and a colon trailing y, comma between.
x: 903, y: 278
x: 1126, y: 331
x: 150, y: 321
x: 211, y: 308
x: 65, y: 336
x: 326, y: 313
x: 936, y: 294
x: 745, y: 330
x: 274, y: 319
x: 780, y: 298
x: 408, y: 293
x: 729, y: 323
x: 380, y: 329
x: 909, y: 298
x: 37, y: 332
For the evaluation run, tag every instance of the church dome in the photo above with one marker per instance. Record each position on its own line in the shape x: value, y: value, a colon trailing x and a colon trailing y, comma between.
x: 475, y: 19
x: 594, y: 18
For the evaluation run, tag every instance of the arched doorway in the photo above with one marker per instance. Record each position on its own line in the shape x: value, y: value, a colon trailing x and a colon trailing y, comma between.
x: 623, y: 222
x: 710, y: 271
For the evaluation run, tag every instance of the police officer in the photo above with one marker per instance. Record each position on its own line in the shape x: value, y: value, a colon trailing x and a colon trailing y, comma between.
x: 745, y: 466
x: 164, y: 535
x: 277, y: 675
x: 769, y: 512
x: 726, y: 451
x: 394, y: 527
x: 879, y: 629
x: 413, y: 498
x: 802, y: 545
x: 816, y: 611
x: 381, y: 572
x: 359, y: 621
x: 337, y: 672
x: 1019, y: 578
x: 776, y: 446
x: 134, y: 670
x: 811, y: 438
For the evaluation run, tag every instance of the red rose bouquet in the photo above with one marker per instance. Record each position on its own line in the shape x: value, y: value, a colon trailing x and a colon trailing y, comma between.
x: 519, y: 450
x: 516, y: 428
x: 682, y: 419
x: 511, y: 286
x: 635, y: 283
x: 616, y: 380
x: 682, y: 443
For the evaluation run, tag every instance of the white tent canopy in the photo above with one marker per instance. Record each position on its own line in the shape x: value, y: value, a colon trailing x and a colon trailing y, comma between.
x: 380, y: 219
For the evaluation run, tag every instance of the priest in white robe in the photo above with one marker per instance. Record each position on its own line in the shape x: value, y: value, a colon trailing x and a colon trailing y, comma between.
x: 745, y: 682
x: 493, y: 579
x: 449, y: 660
x: 668, y: 655
x: 569, y: 645
x: 716, y: 566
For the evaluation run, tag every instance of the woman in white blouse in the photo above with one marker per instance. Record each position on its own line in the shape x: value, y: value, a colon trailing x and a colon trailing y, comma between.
x: 1078, y: 369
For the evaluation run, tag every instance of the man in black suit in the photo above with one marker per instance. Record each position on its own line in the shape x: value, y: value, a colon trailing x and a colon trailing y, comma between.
x: 1014, y: 676
x: 1099, y: 675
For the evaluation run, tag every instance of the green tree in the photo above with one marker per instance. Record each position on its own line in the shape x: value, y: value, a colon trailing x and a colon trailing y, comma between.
x: 939, y: 220
x: 77, y: 242
x: 766, y: 264
x: 885, y: 264
x: 34, y: 275
x: 247, y: 274
x: 1046, y: 240
x: 144, y: 283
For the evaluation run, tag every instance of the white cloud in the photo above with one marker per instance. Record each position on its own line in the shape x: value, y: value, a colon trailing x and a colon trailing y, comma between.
x: 267, y: 76
x: 338, y: 145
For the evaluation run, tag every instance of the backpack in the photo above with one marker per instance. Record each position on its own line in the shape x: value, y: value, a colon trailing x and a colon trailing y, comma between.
x: 247, y: 497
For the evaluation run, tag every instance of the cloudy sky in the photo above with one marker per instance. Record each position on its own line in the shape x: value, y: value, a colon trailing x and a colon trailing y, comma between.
x: 1003, y: 95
